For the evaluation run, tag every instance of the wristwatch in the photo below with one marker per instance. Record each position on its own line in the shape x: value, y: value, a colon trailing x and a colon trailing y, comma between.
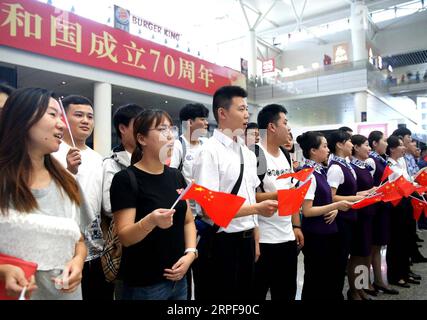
x: 194, y: 250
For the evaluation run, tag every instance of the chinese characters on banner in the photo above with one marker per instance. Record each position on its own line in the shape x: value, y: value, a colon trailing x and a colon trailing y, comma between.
x: 43, y: 29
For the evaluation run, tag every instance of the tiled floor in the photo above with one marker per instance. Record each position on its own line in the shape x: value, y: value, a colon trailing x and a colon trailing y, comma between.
x: 416, y: 292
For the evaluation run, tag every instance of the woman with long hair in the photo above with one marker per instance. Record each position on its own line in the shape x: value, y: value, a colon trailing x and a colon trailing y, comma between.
x: 40, y: 216
x: 159, y: 243
x: 321, y: 241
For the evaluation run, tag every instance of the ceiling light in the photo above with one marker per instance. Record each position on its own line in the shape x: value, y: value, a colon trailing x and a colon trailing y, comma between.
x: 166, y: 101
x: 63, y: 82
x: 121, y: 93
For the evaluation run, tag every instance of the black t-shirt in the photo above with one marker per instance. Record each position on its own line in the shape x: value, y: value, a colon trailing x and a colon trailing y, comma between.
x: 143, y: 263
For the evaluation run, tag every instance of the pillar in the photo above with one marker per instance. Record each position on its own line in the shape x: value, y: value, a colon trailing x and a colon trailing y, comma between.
x: 102, y: 115
x: 252, y: 54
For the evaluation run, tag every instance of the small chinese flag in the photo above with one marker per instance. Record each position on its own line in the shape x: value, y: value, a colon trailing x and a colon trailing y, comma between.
x: 421, y: 190
x: 387, y: 172
x: 367, y: 202
x: 301, y: 175
x: 396, y: 202
x: 422, y: 179
x: 219, y: 206
x: 290, y: 200
x: 404, y: 187
x: 389, y: 192
x: 419, y: 206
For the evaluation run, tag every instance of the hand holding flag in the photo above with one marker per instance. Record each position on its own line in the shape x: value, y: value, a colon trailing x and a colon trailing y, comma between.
x: 219, y: 206
x: 367, y: 201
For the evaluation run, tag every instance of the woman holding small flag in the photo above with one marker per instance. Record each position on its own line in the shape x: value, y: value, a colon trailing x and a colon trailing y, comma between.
x: 342, y: 180
x: 41, y: 217
x: 322, y: 245
x: 159, y: 244
x: 398, y: 250
x: 362, y: 242
x: 381, y: 220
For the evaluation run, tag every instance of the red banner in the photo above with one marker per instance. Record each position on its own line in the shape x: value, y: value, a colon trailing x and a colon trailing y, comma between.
x: 43, y: 29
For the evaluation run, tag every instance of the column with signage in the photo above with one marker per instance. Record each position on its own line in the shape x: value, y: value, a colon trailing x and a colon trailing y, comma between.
x: 252, y: 68
x: 358, y: 25
x: 102, y: 114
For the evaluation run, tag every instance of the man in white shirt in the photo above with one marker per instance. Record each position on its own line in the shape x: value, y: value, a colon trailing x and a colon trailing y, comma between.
x: 226, y: 263
x: 193, y: 117
x: 279, y: 237
x: 86, y: 165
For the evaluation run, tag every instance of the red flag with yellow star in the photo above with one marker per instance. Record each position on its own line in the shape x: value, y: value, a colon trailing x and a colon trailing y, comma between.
x: 419, y: 206
x: 422, y: 179
x: 367, y: 202
x: 386, y: 173
x: 404, y: 187
x: 301, y: 175
x: 290, y: 200
x: 389, y: 192
x: 219, y: 206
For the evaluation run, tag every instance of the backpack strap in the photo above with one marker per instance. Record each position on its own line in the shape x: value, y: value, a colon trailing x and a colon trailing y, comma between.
x: 184, y: 152
x: 287, y: 155
x: 261, y: 164
x: 237, y: 185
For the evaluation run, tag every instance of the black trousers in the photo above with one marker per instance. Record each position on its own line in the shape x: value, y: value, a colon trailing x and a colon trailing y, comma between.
x: 94, y: 285
x: 225, y: 268
x: 276, y: 269
x: 322, y: 274
x: 345, y: 240
x: 399, y: 248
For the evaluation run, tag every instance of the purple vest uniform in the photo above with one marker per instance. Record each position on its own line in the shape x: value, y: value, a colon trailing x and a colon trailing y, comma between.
x: 322, y: 197
x: 348, y: 188
x: 365, y: 181
x: 379, y: 170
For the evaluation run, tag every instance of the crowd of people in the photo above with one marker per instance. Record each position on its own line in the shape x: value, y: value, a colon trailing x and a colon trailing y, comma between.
x: 108, y: 228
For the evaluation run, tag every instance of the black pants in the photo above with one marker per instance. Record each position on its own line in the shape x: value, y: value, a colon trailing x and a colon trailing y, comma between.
x: 398, y: 250
x: 225, y: 268
x: 322, y: 276
x: 276, y: 269
x: 94, y: 285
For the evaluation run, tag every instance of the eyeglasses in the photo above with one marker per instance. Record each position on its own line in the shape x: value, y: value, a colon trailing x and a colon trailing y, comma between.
x: 165, y: 131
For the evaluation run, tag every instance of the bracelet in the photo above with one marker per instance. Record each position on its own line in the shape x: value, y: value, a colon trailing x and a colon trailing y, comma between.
x: 296, y: 227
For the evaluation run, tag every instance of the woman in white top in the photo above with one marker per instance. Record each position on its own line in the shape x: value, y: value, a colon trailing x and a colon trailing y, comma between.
x: 398, y: 249
x: 39, y: 200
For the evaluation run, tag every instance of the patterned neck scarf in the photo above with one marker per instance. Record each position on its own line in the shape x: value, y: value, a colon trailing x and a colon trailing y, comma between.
x: 361, y: 164
x: 343, y: 162
x: 375, y: 155
x: 317, y: 166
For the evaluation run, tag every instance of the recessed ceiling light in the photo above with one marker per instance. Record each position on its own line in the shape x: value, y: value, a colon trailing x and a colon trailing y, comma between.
x: 63, y: 82
x: 166, y: 101
x: 121, y: 93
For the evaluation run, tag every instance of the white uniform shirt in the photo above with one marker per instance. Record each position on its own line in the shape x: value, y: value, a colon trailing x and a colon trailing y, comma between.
x: 399, y: 168
x: 217, y: 168
x: 276, y: 229
x: 191, y: 152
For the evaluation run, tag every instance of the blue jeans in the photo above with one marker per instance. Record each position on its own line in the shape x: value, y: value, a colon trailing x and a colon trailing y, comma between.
x: 165, y: 290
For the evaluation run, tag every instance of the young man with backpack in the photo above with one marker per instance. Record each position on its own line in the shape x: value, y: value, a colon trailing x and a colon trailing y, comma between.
x: 280, y: 237
x: 118, y: 160
x: 194, y: 120
x: 227, y: 255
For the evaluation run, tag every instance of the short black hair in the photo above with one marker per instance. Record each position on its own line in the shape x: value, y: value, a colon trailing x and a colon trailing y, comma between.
x: 270, y: 114
x: 374, y: 136
x: 402, y: 132
x: 223, y: 96
x: 193, y: 111
x: 336, y: 137
x: 346, y: 129
x: 6, y: 89
x: 309, y: 140
x: 392, y: 143
x: 124, y: 114
x: 357, y: 140
x: 75, y: 99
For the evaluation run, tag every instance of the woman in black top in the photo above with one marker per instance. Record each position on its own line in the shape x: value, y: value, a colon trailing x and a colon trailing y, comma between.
x: 158, y: 243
